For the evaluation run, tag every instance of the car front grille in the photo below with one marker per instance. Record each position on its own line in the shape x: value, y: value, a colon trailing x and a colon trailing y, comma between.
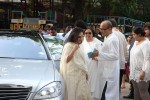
x: 14, y: 92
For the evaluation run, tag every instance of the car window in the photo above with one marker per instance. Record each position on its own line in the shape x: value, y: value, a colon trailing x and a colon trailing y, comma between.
x: 23, y: 47
x: 55, y: 46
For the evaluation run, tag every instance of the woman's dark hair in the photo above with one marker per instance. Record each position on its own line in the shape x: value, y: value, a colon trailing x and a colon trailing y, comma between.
x: 81, y: 24
x: 93, y: 32
x: 73, y: 37
x: 139, y: 31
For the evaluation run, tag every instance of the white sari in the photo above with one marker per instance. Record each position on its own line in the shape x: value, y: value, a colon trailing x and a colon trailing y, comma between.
x: 74, y: 73
x: 92, y: 65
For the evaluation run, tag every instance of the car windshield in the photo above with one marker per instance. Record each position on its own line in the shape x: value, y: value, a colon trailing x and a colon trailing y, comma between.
x: 55, y: 46
x: 21, y: 47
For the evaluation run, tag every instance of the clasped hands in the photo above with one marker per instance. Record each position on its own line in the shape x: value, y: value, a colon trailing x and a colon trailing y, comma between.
x: 94, y: 55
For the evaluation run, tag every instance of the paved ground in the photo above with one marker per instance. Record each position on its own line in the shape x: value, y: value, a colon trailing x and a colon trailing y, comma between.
x: 125, y: 92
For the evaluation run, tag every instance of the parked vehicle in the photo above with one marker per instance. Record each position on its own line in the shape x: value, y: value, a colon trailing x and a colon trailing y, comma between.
x: 55, y: 46
x: 27, y: 70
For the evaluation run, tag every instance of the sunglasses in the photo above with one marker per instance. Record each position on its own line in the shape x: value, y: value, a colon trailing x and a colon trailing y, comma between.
x: 88, y: 33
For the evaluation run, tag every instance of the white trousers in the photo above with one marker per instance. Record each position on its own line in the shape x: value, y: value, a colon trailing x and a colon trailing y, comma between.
x: 112, y: 90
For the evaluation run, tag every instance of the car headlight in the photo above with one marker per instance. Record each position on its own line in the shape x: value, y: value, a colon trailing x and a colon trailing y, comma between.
x: 51, y: 90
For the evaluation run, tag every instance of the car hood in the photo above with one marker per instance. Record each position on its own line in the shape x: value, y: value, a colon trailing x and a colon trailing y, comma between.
x: 26, y: 72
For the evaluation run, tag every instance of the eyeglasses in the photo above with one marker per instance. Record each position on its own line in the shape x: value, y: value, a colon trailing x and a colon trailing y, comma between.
x: 103, y: 29
x: 88, y: 33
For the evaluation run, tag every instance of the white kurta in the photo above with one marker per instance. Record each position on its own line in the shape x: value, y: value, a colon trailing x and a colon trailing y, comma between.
x: 123, y: 50
x: 140, y: 60
x: 109, y: 60
x: 74, y: 74
x: 92, y: 65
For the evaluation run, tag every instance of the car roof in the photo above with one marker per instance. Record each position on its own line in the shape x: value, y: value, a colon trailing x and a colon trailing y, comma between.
x: 32, y: 33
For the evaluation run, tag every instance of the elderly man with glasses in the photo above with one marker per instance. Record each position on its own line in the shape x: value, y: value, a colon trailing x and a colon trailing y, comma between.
x: 108, y: 58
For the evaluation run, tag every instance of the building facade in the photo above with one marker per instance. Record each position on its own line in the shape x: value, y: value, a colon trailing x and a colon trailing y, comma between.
x: 14, y: 12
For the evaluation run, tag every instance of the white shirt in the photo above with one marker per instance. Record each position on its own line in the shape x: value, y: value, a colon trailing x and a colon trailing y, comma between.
x: 59, y: 36
x: 109, y: 62
x: 123, y: 50
x: 66, y: 36
x: 109, y: 55
x: 140, y: 60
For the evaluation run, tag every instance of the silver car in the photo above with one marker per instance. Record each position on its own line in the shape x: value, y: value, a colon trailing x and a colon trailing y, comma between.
x: 55, y: 45
x: 27, y: 71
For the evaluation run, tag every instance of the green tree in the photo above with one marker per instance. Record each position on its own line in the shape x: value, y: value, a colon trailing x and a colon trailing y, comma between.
x: 136, y: 9
x: 78, y: 9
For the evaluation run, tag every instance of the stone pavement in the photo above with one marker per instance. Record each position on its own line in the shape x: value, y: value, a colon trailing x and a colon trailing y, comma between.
x: 125, y: 92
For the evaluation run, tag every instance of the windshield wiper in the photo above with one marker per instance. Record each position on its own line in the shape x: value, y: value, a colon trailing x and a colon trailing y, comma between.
x: 8, y: 57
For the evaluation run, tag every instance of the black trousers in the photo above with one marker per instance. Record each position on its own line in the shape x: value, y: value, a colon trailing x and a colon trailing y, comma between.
x: 103, y: 93
x: 131, y: 89
x: 149, y: 89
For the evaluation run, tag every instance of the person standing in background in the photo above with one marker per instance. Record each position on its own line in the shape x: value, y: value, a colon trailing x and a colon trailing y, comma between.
x: 78, y: 23
x: 131, y: 93
x: 67, y: 29
x: 123, y: 51
x: 129, y: 40
x: 147, y: 31
x: 147, y: 35
x: 90, y: 44
x: 53, y: 31
x: 140, y: 65
x: 40, y: 31
x: 46, y: 29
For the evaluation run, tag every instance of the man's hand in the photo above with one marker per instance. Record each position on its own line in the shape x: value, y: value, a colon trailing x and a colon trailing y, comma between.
x: 95, y: 54
x: 95, y: 58
x: 142, y: 75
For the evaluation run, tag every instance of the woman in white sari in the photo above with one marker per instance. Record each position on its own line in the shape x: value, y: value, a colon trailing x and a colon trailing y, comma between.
x: 72, y: 68
x: 91, y: 44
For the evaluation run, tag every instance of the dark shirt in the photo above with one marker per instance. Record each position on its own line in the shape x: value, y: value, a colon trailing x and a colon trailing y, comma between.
x: 131, y: 45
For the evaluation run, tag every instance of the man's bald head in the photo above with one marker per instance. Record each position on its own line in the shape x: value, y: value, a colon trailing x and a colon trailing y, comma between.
x: 107, y: 23
x: 106, y: 27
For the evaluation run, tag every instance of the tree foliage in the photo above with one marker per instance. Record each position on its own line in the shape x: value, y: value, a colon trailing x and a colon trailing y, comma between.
x: 80, y: 9
x: 138, y: 9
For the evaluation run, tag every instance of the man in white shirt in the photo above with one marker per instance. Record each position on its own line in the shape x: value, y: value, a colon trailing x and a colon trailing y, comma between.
x: 78, y: 23
x: 108, y: 58
x: 147, y: 35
